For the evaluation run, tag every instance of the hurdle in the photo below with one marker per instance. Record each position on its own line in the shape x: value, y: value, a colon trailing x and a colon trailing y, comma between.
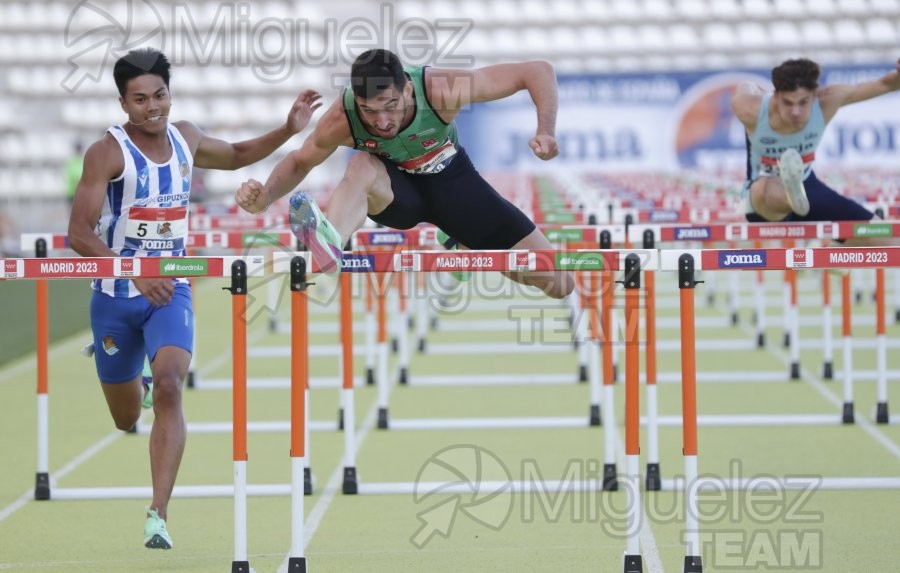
x: 237, y: 269
x: 504, y: 261
x: 629, y: 261
x: 222, y: 240
x: 44, y: 268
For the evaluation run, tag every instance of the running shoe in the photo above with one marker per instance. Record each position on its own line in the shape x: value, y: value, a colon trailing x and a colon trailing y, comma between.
x: 156, y: 536
x: 310, y: 226
x: 790, y: 169
x: 147, y: 381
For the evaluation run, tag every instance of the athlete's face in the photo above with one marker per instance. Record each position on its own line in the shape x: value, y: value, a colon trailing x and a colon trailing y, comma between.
x: 384, y: 114
x: 147, y: 103
x: 794, y: 107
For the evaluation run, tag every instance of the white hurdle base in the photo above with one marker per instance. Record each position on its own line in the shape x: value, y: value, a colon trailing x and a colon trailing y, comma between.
x: 252, y: 427
x: 274, y: 383
x: 793, y: 483
x: 280, y: 383
x: 754, y: 420
x: 493, y: 379
x: 488, y: 423
x: 798, y: 482
x: 146, y: 492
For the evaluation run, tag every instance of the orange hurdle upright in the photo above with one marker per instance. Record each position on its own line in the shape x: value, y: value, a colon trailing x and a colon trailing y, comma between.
x: 239, y: 412
x: 42, y: 478
x: 692, y: 560
x: 632, y: 280
x: 301, y: 479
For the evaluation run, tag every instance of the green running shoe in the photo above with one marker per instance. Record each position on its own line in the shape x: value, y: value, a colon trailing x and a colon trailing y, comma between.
x: 309, y: 224
x: 156, y: 536
x: 147, y: 381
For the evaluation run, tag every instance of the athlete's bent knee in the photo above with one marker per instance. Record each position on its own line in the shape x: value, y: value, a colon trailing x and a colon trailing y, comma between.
x: 561, y: 285
x: 362, y: 170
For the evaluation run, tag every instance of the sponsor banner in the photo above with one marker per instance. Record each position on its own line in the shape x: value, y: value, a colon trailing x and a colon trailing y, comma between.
x: 736, y: 232
x: 406, y: 262
x: 558, y: 217
x: 127, y: 267
x: 774, y: 231
x: 261, y: 239
x: 568, y: 235
x: 871, y: 257
x: 522, y: 261
x: 357, y: 263
x: 378, y: 238
x: 873, y: 230
x: 744, y: 259
x: 574, y: 261
x: 184, y: 268
x: 629, y: 121
x: 690, y: 234
x: 68, y: 268
x: 664, y: 216
x: 799, y: 258
x: 227, y: 222
x: 13, y: 268
x: 463, y: 261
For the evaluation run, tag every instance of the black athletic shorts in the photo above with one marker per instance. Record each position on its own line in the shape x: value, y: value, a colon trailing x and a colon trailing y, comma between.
x: 825, y: 204
x: 459, y: 201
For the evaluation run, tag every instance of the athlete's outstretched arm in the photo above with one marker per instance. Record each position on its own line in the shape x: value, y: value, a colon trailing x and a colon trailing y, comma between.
x: 212, y: 153
x: 745, y: 103
x: 452, y: 90
x: 330, y: 132
x: 838, y: 95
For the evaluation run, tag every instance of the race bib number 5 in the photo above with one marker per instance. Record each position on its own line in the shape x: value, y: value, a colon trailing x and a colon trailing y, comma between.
x: 156, y: 228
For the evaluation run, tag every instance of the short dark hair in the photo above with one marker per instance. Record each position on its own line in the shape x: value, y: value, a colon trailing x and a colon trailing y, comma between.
x: 374, y: 71
x: 139, y: 62
x: 794, y: 74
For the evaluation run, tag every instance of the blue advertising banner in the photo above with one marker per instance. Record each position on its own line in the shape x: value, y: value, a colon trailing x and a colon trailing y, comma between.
x: 668, y: 121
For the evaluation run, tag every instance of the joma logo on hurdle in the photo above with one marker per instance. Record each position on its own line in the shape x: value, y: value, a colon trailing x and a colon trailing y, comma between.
x: 357, y: 263
x: 739, y: 260
x: 692, y: 233
x: 388, y: 238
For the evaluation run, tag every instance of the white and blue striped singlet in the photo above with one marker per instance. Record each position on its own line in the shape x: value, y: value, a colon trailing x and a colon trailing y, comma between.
x: 145, y: 213
x: 765, y: 146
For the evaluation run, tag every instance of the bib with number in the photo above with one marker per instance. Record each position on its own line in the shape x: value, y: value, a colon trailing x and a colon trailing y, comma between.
x: 156, y: 228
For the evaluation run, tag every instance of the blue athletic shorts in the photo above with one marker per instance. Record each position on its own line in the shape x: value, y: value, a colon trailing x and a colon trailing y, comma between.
x: 127, y: 329
x: 825, y: 204
x: 459, y: 201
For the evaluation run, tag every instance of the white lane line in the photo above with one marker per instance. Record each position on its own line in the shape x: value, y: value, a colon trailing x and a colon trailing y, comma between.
x: 314, y: 519
x: 649, y: 549
x: 26, y: 363
x: 84, y: 456
x: 92, y: 450
x: 827, y: 393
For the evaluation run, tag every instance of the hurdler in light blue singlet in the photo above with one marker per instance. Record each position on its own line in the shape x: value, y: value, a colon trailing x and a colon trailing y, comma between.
x: 765, y: 146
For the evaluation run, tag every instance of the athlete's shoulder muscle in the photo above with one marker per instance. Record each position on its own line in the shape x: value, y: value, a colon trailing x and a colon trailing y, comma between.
x: 745, y: 103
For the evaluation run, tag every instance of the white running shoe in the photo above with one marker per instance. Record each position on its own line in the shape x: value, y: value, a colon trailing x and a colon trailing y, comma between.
x: 790, y: 169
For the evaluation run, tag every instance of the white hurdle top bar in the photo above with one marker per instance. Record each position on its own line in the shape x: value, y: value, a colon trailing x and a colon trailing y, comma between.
x: 446, y: 261
x: 123, y: 267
